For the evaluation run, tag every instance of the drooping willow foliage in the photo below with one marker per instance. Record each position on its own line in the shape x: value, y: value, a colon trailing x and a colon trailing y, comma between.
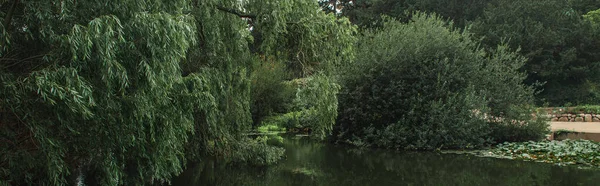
x: 126, y: 92
x: 317, y: 104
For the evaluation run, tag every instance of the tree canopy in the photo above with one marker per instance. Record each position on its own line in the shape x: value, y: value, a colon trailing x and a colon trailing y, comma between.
x: 426, y: 85
x: 559, y: 44
x: 126, y: 92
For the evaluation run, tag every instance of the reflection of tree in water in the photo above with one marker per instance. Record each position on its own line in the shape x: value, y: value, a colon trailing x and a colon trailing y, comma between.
x: 423, y: 168
x: 212, y: 172
x: 312, y: 163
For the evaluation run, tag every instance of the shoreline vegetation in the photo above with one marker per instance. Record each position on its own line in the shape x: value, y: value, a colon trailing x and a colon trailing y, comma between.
x: 580, y: 153
x: 129, y: 92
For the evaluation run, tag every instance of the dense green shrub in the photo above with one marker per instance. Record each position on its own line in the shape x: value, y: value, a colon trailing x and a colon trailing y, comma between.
x: 314, y: 106
x: 587, y: 109
x: 292, y: 120
x: 513, y: 131
x: 579, y: 109
x: 269, y: 94
x: 561, y: 46
x: 288, y: 120
x: 424, y: 85
x: 270, y: 128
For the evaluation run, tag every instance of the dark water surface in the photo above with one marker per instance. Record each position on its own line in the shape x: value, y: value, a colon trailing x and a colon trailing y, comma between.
x: 311, y: 163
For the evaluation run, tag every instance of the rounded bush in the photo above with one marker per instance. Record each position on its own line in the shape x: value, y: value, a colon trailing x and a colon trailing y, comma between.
x: 424, y: 85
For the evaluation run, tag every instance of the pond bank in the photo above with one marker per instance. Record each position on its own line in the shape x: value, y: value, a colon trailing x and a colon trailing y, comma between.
x: 587, y: 127
x: 582, y: 153
x: 575, y: 130
x: 308, y: 162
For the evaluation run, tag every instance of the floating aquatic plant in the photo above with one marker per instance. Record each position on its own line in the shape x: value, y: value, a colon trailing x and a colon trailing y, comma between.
x: 581, y: 152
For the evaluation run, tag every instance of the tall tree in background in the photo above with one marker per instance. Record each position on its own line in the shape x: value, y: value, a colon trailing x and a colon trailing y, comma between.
x: 366, y: 13
x: 561, y: 47
x: 562, y: 51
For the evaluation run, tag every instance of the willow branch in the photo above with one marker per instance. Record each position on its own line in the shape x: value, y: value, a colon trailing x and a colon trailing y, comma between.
x: 8, y: 19
x: 237, y: 13
x: 9, y: 15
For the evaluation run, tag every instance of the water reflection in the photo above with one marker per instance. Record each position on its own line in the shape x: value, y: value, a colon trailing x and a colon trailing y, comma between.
x: 310, y: 163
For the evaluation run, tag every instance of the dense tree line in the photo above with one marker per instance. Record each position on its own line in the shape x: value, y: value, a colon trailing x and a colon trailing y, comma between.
x: 560, y: 44
x: 128, y: 92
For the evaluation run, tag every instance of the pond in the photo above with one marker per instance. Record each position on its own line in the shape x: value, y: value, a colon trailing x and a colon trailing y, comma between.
x: 312, y: 163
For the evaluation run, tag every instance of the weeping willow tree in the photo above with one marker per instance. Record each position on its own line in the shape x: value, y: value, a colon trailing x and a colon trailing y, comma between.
x: 311, y: 45
x: 125, y: 92
x: 95, y: 88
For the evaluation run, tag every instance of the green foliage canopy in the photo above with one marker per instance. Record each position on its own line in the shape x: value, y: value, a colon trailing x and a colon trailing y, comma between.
x: 425, y: 85
x: 366, y: 13
x: 125, y: 92
x: 560, y: 45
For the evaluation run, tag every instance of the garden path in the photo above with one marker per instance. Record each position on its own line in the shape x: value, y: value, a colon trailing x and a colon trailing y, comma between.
x: 587, y: 127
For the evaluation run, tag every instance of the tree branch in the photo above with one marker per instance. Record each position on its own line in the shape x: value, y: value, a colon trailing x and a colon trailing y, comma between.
x: 7, y: 20
x: 9, y: 14
x: 237, y: 13
x: 19, y: 61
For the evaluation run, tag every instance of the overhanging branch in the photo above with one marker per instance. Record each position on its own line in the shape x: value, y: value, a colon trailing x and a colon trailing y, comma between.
x: 237, y: 12
x: 9, y: 15
x: 7, y: 21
